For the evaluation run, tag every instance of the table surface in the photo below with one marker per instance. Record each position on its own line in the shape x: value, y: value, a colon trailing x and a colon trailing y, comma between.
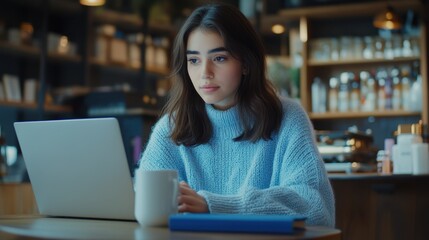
x: 39, y: 227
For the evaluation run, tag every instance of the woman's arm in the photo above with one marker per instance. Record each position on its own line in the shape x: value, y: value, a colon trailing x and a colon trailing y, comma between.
x: 311, y: 201
x: 303, y: 186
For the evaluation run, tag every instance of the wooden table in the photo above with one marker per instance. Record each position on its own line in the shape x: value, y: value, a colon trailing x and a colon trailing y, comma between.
x: 38, y: 227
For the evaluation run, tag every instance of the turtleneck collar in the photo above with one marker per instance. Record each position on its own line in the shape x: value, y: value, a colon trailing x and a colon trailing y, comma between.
x: 223, y: 118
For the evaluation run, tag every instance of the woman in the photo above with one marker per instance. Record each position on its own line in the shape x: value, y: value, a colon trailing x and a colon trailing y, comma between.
x: 237, y: 147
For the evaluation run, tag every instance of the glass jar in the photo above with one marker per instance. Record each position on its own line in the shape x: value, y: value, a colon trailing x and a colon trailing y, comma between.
x: 368, y: 49
x: 346, y: 50
x: 388, y: 49
x: 397, y: 46
x: 335, y: 49
x: 378, y: 48
x: 358, y: 48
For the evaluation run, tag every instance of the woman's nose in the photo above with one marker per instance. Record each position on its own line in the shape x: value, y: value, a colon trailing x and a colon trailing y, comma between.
x: 207, y: 72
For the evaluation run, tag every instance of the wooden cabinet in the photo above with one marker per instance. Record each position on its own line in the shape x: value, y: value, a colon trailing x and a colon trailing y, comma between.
x: 353, y: 21
x: 382, y: 207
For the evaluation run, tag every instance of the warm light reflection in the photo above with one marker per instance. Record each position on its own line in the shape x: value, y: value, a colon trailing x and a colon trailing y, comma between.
x: 303, y: 35
x: 92, y: 3
x: 387, y: 19
x: 278, y: 29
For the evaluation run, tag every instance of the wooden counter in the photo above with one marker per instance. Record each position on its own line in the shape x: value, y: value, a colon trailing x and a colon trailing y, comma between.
x: 371, y: 206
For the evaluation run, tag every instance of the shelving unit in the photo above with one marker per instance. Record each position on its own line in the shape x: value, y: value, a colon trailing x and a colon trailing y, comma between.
x: 315, y: 63
x: 317, y: 22
x: 363, y: 114
x: 65, y: 78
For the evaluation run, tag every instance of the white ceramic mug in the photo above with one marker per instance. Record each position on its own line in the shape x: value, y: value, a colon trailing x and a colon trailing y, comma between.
x: 156, y: 196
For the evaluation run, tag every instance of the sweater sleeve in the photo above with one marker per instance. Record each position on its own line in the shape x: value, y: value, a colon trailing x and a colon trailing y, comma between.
x: 303, y: 189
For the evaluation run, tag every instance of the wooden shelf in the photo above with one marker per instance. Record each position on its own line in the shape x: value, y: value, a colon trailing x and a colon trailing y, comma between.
x: 33, y: 106
x: 344, y: 115
x: 18, y: 105
x: 315, y: 63
x: 115, y: 66
x: 128, y: 67
x: 34, y: 52
x: 350, y: 9
x: 19, y: 49
x: 126, y: 20
x: 65, y: 7
x: 64, y: 57
x: 128, y: 112
x: 158, y: 70
x: 129, y: 21
x: 58, y: 108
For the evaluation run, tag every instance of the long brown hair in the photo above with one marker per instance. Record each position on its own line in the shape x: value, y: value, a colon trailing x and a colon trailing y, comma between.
x: 259, y: 107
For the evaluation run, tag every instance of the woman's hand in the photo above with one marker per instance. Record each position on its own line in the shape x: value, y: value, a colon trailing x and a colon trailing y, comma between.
x: 190, y: 201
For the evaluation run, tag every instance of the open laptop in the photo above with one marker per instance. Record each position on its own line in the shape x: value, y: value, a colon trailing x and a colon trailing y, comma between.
x: 78, y: 168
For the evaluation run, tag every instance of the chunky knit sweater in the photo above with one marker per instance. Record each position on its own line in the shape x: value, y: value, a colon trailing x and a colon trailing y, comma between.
x: 284, y: 175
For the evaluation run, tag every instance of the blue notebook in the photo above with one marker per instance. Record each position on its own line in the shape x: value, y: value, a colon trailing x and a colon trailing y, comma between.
x: 203, y: 222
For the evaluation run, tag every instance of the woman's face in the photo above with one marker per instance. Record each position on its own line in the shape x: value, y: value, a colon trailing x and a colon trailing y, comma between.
x: 214, y: 72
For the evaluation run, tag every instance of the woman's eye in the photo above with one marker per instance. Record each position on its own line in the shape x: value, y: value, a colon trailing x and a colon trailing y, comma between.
x: 219, y: 59
x: 193, y: 60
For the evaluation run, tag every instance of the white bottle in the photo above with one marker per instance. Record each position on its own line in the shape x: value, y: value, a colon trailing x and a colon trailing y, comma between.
x: 416, y: 95
x: 333, y: 94
x: 343, y: 94
x: 420, y: 155
x: 408, y: 134
x: 318, y: 96
x: 315, y: 95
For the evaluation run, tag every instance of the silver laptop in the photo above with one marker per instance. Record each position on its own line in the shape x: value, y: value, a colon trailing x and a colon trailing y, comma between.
x: 78, y: 168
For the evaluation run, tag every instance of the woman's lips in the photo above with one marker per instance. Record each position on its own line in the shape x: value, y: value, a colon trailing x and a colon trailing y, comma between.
x: 209, y: 88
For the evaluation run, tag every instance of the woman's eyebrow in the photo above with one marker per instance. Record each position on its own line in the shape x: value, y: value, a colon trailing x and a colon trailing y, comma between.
x: 219, y: 49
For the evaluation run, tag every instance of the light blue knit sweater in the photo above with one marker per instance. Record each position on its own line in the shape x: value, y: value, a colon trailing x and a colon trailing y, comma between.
x: 284, y: 175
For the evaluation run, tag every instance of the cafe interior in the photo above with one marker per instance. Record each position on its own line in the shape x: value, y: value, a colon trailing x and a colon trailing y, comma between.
x: 359, y: 68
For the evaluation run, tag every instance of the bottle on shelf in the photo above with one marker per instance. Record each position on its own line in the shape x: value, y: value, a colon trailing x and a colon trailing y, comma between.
x: 397, y: 46
x: 408, y: 136
x: 397, y: 88
x: 358, y: 48
x: 381, y: 155
x: 318, y: 96
x: 343, y: 93
x: 416, y: 94
x: 388, y: 90
x: 388, y: 49
x: 379, y: 48
x: 372, y: 94
x: 407, y: 51
x: 346, y: 51
x: 354, y: 93
x: 387, y: 166
x: 368, y: 51
x: 381, y: 93
x: 406, y: 88
x: 367, y: 91
x: 333, y: 94
x: 335, y: 49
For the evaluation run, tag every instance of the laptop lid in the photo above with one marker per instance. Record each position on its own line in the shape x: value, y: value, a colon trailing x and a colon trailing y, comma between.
x: 78, y: 168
